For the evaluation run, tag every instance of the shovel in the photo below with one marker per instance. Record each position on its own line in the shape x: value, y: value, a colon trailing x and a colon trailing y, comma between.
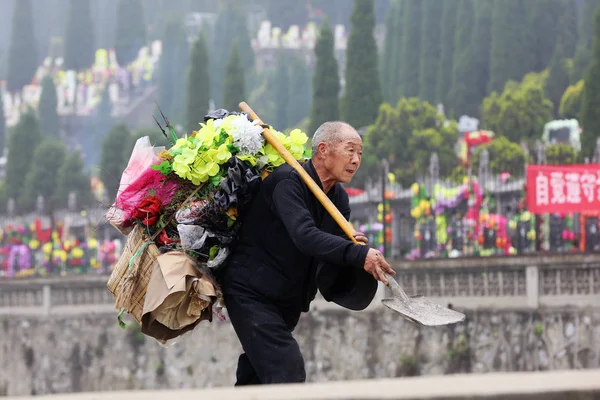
x: 417, y: 309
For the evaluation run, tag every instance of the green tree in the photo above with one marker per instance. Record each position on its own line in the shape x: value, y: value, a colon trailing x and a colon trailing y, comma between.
x: 363, y: 91
x: 406, y: 135
x: 300, y: 89
x: 430, y: 48
x: 567, y: 31
x: 411, y: 48
x: 234, y: 87
x: 590, y: 119
x: 544, y: 15
x: 79, y: 37
x: 326, y: 82
x: 21, y: 146
x: 102, y: 122
x: 73, y: 178
x: 173, y: 68
x: 570, y: 103
x: 284, y: 14
x: 261, y: 98
x: 281, y: 90
x: 461, y: 91
x: 42, y: 178
x: 560, y: 154
x: 558, y: 77
x: 445, y: 66
x: 422, y: 144
x: 512, y: 55
x: 583, y: 53
x: 479, y: 69
x: 390, y: 56
x: 2, y: 126
x: 505, y: 156
x: 48, y: 115
x: 114, y: 158
x: 22, y: 54
x: 231, y: 24
x: 198, y: 90
x: 520, y: 112
x: 130, y: 34
x: 104, y: 13
x: 560, y: 66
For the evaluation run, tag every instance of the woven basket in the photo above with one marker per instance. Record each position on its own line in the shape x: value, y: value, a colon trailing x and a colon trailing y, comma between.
x: 128, y: 284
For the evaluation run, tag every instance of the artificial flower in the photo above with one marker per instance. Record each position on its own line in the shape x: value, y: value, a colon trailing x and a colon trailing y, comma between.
x: 148, y: 210
x: 247, y: 136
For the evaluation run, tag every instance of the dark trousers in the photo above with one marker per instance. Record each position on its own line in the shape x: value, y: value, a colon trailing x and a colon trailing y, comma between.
x: 271, y: 354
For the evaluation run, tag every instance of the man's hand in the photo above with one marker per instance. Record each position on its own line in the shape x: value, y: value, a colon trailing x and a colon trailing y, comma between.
x: 361, y: 238
x: 376, y: 265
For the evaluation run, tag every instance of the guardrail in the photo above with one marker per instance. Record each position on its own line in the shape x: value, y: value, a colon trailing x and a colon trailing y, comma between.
x: 524, y: 286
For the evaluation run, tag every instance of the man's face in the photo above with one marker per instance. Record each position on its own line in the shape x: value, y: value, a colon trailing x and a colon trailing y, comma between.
x: 343, y: 157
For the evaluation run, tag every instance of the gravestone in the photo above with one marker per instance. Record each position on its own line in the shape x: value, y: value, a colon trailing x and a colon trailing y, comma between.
x: 489, y: 238
x: 457, y: 234
x: 592, y: 236
x: 522, y: 242
x: 557, y: 225
x: 428, y: 240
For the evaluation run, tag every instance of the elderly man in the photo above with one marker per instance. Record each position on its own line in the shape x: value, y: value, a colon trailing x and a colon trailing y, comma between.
x: 288, y: 248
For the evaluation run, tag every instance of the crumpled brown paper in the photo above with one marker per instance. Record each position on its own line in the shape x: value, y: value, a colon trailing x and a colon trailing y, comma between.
x: 179, y: 296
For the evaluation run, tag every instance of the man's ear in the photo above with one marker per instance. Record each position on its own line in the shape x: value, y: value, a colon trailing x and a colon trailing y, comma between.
x: 322, y: 148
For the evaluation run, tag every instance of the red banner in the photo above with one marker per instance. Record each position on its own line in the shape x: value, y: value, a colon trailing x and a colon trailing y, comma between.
x: 563, y: 188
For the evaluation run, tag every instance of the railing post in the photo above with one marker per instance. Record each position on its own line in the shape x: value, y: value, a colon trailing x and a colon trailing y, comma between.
x: 532, y: 286
x: 46, y: 298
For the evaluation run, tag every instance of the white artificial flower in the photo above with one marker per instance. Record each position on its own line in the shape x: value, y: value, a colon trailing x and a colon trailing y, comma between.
x: 247, y: 136
x: 217, y: 123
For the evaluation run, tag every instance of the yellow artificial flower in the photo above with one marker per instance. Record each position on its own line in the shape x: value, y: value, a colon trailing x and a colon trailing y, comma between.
x: 298, y: 137
x: 247, y: 157
x: 223, y: 154
x: 47, y: 248
x: 207, y: 133
x: 273, y: 156
x: 181, y: 142
x: 77, y: 252
x: 232, y: 213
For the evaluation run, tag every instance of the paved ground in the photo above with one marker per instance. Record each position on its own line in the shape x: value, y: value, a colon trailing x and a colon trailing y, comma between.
x: 572, y: 385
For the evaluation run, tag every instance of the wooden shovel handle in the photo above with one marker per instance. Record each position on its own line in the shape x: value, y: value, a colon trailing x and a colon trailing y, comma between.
x: 317, y: 191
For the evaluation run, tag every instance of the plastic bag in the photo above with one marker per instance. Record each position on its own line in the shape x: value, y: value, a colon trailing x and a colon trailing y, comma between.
x: 192, y: 236
x: 137, y: 179
x: 192, y: 213
x: 142, y: 157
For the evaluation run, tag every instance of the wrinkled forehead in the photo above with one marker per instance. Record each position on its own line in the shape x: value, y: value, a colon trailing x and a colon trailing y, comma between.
x: 348, y: 138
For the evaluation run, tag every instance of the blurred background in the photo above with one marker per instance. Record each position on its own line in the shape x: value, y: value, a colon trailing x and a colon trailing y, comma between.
x: 480, y: 177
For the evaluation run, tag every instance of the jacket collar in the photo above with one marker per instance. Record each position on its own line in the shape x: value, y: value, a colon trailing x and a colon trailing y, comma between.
x: 310, y: 168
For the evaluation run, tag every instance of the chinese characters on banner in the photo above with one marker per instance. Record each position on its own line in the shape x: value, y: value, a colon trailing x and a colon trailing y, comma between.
x: 563, y: 188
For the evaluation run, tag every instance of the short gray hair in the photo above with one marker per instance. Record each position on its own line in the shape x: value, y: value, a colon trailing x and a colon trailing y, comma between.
x: 328, y: 132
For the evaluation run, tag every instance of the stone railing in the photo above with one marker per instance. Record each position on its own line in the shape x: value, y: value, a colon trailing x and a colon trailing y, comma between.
x: 501, y: 284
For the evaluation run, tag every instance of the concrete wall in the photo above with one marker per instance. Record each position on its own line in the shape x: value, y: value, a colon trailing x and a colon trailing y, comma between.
x: 58, y: 354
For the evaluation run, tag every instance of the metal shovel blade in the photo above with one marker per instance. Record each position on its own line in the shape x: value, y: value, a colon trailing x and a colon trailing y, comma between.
x: 420, y: 309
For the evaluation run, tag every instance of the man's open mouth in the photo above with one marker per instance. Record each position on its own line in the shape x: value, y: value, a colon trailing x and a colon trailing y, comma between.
x: 350, y: 171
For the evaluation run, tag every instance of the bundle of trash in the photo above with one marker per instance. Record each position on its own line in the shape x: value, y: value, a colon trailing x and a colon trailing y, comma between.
x: 181, y: 209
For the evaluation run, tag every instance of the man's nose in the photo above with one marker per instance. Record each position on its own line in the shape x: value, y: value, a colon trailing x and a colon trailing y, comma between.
x: 355, y: 159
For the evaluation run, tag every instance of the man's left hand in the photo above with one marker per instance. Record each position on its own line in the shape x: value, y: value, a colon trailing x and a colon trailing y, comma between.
x: 361, y: 238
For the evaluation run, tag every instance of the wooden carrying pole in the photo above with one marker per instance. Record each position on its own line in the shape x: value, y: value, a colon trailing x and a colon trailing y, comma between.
x: 317, y: 191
